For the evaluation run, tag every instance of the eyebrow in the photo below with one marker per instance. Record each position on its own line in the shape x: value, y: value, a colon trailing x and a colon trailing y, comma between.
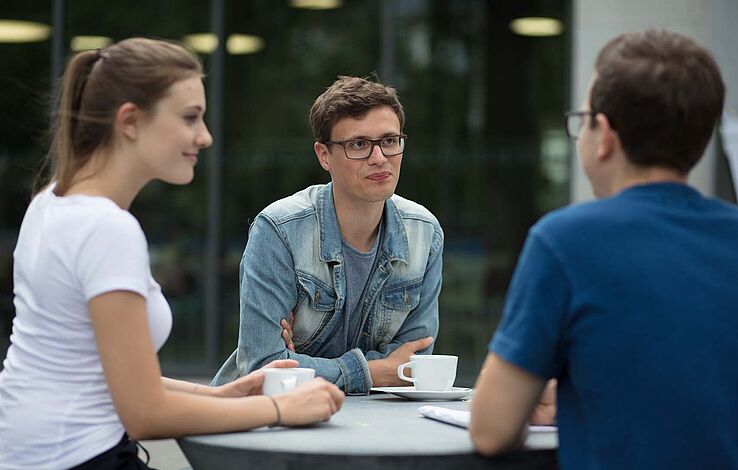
x: 195, y: 107
x: 386, y: 134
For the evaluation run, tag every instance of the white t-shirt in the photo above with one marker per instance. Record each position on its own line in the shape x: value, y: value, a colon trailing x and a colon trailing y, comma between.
x: 55, y: 408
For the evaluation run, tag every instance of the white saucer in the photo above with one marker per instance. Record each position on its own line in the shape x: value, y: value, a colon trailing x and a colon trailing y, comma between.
x: 454, y: 393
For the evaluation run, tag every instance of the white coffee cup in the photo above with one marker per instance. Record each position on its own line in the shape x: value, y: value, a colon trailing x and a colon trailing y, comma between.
x: 430, y: 372
x: 282, y: 380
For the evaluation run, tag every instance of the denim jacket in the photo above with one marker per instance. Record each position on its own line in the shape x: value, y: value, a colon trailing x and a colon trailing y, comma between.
x: 293, y: 262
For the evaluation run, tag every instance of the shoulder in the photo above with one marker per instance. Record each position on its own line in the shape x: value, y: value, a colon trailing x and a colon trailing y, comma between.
x: 579, y: 221
x: 103, y: 214
x: 412, y: 212
x: 564, y: 217
x: 86, y: 217
x: 113, y: 226
x: 721, y: 207
x: 301, y: 204
x: 420, y: 227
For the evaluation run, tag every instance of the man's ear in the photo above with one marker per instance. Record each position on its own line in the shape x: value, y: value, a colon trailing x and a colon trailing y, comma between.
x: 128, y: 120
x: 321, y: 151
x: 609, y: 138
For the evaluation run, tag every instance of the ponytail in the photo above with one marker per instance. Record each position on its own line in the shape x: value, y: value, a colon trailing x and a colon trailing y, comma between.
x: 62, y: 158
x: 94, y: 86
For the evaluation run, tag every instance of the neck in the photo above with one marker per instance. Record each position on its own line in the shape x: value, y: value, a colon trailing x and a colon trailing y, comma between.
x: 634, y: 176
x: 358, y: 223
x: 106, y: 175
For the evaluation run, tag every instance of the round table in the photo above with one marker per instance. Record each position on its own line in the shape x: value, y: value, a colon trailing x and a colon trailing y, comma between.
x: 370, y: 432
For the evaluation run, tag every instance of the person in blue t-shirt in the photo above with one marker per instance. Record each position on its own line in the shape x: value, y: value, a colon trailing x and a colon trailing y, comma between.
x: 630, y: 302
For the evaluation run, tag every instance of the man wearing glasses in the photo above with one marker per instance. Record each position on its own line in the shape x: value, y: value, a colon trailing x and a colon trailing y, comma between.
x: 358, y: 266
x: 630, y: 301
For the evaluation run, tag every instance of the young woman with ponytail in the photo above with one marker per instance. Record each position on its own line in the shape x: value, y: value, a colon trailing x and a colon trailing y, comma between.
x: 81, y: 374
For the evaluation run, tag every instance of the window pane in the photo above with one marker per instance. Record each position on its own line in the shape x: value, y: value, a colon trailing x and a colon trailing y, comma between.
x: 174, y: 218
x: 486, y: 151
x: 24, y: 81
x: 484, y: 109
x: 268, y: 141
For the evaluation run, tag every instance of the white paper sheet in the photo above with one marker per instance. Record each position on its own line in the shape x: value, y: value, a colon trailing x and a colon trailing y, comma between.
x: 539, y: 437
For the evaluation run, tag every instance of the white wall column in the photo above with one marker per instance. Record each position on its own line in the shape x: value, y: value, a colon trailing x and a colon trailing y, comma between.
x: 710, y: 22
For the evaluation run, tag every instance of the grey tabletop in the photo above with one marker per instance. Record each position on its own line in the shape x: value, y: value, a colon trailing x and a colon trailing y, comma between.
x: 379, y: 430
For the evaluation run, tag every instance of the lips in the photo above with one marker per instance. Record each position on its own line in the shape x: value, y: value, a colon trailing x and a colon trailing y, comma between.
x: 381, y: 176
x: 191, y: 156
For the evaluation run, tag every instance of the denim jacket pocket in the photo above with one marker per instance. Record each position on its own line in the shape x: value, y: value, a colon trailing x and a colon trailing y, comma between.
x: 315, y: 308
x: 397, y: 303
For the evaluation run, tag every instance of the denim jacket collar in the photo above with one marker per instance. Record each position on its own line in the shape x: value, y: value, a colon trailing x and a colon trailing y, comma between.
x: 394, y: 243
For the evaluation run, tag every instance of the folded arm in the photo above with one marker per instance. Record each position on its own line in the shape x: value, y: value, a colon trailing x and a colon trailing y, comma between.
x: 418, y: 331
x: 415, y: 336
x: 267, y: 296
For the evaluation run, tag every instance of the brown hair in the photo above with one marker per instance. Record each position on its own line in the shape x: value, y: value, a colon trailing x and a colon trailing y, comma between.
x: 96, y: 83
x: 350, y: 97
x: 662, y: 93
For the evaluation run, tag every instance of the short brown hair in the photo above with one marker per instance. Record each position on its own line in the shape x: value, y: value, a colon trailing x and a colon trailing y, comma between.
x: 96, y: 83
x: 350, y: 97
x: 662, y: 93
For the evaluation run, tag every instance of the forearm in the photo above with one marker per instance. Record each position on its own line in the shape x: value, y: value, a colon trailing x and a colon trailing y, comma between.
x: 350, y: 371
x: 422, y: 321
x: 175, y: 413
x: 490, y: 439
x: 383, y: 373
x: 375, y: 355
x: 186, y: 387
x: 504, y: 398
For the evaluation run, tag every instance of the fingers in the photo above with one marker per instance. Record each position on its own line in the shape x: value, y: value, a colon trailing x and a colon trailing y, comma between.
x: 287, y: 331
x: 254, y: 386
x: 288, y: 341
x: 335, y: 397
x: 280, y: 363
x: 545, y: 410
x: 549, y: 393
x: 250, y: 377
x: 338, y: 397
x: 287, y: 324
x: 544, y: 414
x: 311, y: 402
x: 332, y: 407
x: 419, y: 344
x: 287, y: 335
x: 256, y: 376
x: 243, y: 386
x: 335, y: 393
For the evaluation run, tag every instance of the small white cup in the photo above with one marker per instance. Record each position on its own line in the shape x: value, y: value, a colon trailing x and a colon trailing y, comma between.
x: 430, y: 372
x: 282, y: 380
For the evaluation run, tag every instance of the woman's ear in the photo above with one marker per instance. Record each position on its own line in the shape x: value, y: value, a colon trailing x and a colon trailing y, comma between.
x: 321, y: 151
x: 128, y: 119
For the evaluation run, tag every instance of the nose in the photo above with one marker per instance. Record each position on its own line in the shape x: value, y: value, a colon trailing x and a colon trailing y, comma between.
x: 376, y: 157
x: 204, y: 139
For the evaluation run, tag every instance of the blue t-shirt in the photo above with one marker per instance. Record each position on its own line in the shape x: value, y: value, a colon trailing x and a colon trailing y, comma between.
x: 632, y: 303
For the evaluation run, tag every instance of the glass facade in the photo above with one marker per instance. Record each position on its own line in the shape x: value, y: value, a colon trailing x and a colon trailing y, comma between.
x: 486, y: 151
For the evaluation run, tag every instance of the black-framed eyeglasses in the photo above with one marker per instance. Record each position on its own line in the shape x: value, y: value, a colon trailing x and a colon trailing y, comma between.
x: 360, y: 149
x: 574, y: 120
